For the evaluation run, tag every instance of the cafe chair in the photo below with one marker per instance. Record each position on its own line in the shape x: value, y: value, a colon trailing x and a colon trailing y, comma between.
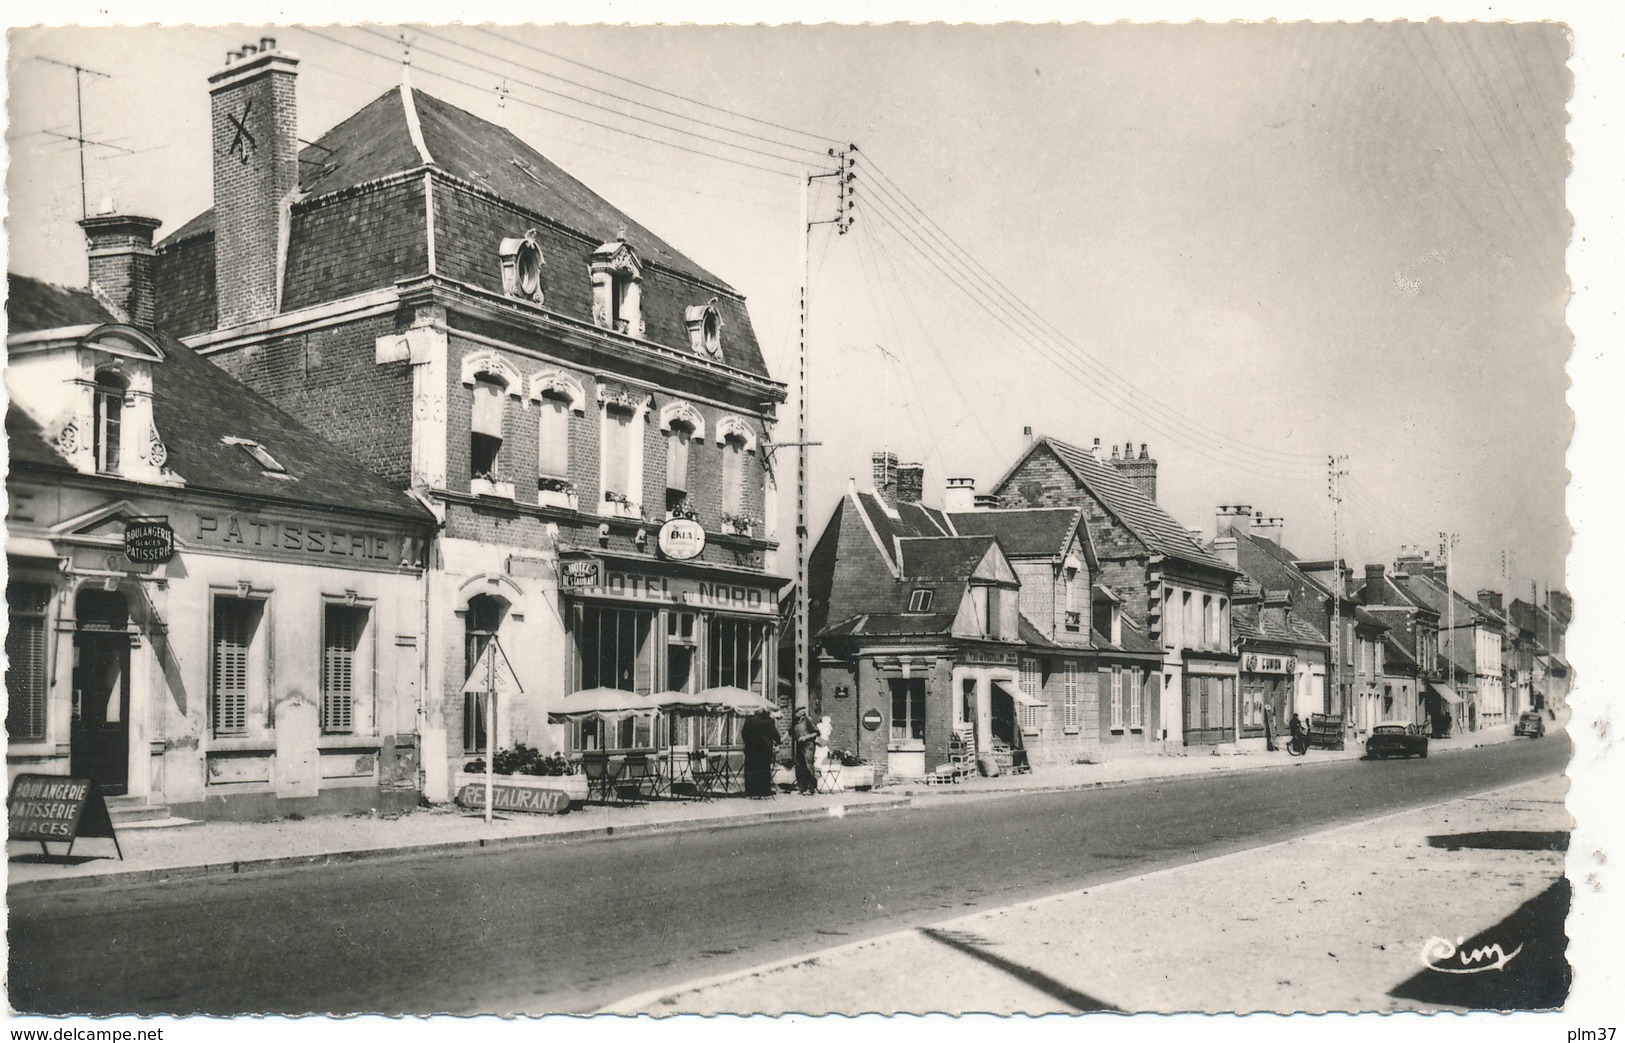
x: 602, y: 776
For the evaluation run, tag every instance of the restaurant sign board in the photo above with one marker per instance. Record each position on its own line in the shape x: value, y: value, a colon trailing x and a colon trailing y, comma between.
x: 532, y: 799
x: 582, y: 572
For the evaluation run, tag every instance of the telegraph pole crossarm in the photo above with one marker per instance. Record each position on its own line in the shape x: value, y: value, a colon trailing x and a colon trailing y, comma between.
x: 79, y: 72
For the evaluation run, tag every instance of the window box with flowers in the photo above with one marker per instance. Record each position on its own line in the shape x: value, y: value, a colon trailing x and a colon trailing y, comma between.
x: 620, y: 505
x: 682, y: 508
x: 485, y: 484
x: 738, y: 524
x: 557, y: 492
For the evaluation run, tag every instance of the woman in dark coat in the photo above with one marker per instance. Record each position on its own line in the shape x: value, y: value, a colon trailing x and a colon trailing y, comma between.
x: 761, y: 738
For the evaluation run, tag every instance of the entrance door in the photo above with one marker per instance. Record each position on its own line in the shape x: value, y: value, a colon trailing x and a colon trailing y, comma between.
x: 100, y: 733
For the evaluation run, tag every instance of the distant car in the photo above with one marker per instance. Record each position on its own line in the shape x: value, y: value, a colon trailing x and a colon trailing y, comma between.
x: 1531, y: 724
x: 1396, y: 740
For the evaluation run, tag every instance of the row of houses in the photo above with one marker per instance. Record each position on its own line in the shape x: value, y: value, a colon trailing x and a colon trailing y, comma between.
x: 409, y: 399
x: 1066, y: 615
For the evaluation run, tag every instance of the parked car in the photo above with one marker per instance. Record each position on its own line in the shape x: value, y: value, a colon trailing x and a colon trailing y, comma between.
x: 1396, y: 740
x: 1531, y: 724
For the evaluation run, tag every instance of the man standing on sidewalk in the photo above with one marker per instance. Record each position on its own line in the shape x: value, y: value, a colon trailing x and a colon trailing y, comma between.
x: 805, y: 737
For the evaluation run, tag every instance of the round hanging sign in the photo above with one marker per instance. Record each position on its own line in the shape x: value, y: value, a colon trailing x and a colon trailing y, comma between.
x: 682, y: 538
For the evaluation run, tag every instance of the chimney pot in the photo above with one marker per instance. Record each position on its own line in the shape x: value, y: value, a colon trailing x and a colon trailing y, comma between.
x: 267, y: 43
x: 1114, y: 452
x: 1143, y: 454
x: 249, y: 49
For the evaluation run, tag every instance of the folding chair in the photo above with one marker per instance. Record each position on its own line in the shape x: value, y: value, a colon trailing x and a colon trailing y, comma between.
x: 602, y: 776
x: 637, y: 770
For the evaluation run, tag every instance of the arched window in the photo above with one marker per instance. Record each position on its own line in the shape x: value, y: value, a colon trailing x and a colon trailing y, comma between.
x: 733, y: 475
x: 485, y: 442
x: 553, y: 430
x: 107, y: 425
x: 481, y: 622
x: 679, y: 437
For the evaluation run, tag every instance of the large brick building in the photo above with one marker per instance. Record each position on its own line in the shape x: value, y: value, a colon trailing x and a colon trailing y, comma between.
x: 1172, y: 588
x: 553, y: 379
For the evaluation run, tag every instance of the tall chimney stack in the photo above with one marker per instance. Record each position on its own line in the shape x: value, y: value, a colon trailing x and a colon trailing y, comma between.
x: 120, y: 249
x: 255, y: 130
x: 910, y: 483
x: 1140, y: 470
x: 1372, y: 594
x: 885, y: 476
x: 1239, y: 517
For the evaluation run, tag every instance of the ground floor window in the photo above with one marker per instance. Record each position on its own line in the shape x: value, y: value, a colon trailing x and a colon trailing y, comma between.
x: 1252, y: 706
x: 1069, y: 696
x: 1117, y: 698
x: 1138, y: 698
x: 907, y: 709
x: 736, y: 653
x: 481, y: 622
x: 232, y: 667
x: 25, y: 659
x: 614, y: 648
x: 1210, y: 711
x: 342, y: 665
x: 627, y: 733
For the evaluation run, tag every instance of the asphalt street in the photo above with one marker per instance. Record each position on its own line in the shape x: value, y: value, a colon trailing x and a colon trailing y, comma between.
x: 568, y: 927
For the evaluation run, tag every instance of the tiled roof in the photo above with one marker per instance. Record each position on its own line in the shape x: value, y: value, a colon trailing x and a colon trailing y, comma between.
x: 942, y: 557
x: 1134, y: 639
x: 912, y: 520
x: 195, y: 404
x: 25, y: 441
x: 33, y: 305
x: 1023, y: 533
x: 1144, y: 517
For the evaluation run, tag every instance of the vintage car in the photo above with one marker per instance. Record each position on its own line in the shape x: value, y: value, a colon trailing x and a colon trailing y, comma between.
x: 1396, y: 740
x: 1531, y: 724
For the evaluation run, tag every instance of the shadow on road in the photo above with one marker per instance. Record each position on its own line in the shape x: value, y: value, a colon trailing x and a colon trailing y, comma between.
x: 1535, y: 978
x: 1504, y: 840
x: 974, y: 946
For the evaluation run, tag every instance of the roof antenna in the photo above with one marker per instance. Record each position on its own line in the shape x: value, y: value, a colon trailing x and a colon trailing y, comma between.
x: 79, y: 72
x: 502, y: 96
x: 406, y: 59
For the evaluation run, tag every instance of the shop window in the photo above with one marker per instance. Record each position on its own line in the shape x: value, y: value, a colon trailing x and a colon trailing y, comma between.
x: 614, y: 649
x: 343, y: 666
x: 26, y: 678
x: 1117, y: 699
x: 107, y: 432
x: 920, y: 600
x: 736, y: 654
x: 907, y: 709
x: 481, y: 622
x: 236, y: 665
x: 553, y: 436
x: 485, y: 446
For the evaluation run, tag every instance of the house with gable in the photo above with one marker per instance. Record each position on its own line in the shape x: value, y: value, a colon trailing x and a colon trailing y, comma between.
x: 969, y: 628
x: 1173, y: 590
x: 1469, y: 642
x: 472, y: 323
x: 212, y: 611
x: 1414, y: 689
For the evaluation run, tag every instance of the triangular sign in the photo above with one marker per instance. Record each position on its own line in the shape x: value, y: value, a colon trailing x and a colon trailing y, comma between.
x: 493, y: 673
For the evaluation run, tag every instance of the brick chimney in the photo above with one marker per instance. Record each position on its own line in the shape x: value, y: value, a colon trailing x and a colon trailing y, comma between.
x: 910, y: 483
x: 1269, y: 528
x: 1238, y: 517
x: 1372, y: 594
x: 1141, y: 470
x: 254, y: 121
x: 120, y: 248
x: 960, y: 496
x: 1491, y: 599
x: 885, y: 476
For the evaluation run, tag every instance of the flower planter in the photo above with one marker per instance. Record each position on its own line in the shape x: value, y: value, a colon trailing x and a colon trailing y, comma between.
x: 513, y: 787
x: 486, y: 487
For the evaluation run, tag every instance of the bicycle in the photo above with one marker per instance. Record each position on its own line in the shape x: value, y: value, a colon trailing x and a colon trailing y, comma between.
x: 1298, y: 745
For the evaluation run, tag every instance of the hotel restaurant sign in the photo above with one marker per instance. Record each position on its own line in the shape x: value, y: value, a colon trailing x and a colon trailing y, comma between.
x: 594, y: 578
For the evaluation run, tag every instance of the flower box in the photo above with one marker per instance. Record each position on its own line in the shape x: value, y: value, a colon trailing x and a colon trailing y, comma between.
x: 557, y: 492
x: 617, y: 505
x: 489, y: 487
x: 737, y: 526
x: 510, y: 790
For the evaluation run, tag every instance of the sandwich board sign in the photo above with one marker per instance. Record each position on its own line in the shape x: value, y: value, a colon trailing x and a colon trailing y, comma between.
x: 57, y: 808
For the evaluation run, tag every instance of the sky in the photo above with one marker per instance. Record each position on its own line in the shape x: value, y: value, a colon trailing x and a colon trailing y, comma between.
x: 1249, y: 247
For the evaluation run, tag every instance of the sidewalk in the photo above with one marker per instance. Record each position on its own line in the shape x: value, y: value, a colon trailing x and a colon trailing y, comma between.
x: 229, y: 847
x: 1342, y: 915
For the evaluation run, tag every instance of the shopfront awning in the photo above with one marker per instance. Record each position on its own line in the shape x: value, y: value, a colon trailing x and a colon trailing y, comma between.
x: 1014, y: 691
x: 1447, y: 694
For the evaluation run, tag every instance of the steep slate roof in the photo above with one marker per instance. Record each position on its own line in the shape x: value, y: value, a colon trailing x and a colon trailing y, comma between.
x: 912, y: 519
x: 195, y: 404
x: 943, y: 557
x: 1270, y: 565
x: 25, y: 440
x: 1033, y: 532
x: 1144, y: 517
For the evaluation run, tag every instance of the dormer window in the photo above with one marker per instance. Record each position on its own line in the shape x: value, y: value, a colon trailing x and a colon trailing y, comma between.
x: 108, y: 423
x: 617, y: 287
x: 522, y: 263
x: 704, y: 324
x: 920, y: 600
x: 259, y: 454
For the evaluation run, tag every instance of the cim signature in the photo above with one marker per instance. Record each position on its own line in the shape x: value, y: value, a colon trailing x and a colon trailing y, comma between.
x: 1438, y: 952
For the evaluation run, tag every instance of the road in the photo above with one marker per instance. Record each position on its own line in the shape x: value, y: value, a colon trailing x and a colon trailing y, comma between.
x: 571, y: 926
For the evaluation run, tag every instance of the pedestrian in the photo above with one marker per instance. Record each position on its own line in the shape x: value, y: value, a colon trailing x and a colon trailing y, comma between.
x: 761, y: 738
x: 805, y: 737
x: 825, y: 728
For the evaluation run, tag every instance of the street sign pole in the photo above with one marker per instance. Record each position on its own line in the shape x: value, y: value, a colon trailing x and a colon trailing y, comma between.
x: 490, y: 729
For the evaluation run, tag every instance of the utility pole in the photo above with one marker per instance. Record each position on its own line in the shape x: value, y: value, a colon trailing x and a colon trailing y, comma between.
x: 1447, y: 540
x: 1335, y: 473
x: 79, y: 72
x: 846, y: 198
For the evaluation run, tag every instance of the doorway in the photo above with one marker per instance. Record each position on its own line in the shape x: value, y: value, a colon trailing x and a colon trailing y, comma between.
x: 100, y: 734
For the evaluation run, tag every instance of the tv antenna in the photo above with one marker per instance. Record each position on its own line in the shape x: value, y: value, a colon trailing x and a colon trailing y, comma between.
x: 79, y: 73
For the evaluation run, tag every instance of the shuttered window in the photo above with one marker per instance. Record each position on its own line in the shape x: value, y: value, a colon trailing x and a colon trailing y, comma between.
x: 1117, y: 698
x: 25, y: 655
x: 1070, y: 696
x: 1031, y: 683
x: 342, y: 629
x: 235, y: 622
x: 1136, y: 704
x: 553, y: 451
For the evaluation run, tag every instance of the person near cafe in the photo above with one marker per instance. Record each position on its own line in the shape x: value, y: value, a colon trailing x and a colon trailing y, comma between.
x: 805, y: 737
x: 761, y: 739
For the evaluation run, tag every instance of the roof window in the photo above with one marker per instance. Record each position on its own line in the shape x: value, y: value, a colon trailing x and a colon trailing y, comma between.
x: 268, y: 464
x: 920, y: 600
